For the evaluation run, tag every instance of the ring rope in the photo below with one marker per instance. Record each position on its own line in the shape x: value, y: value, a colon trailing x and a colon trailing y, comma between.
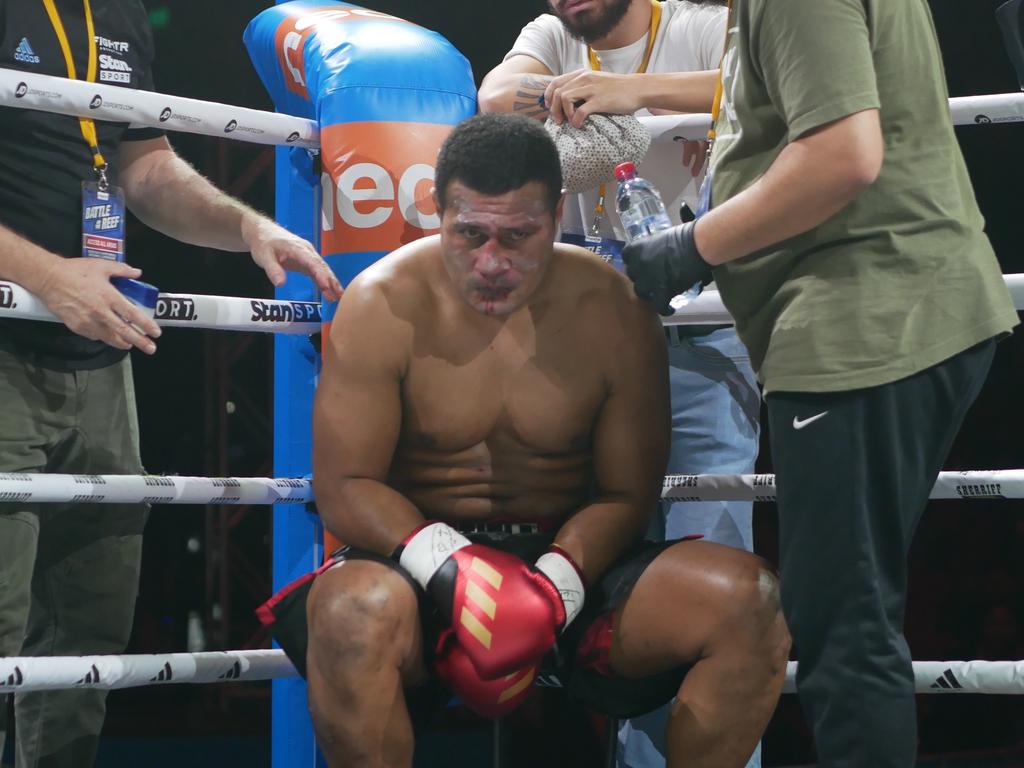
x: 49, y: 673
x: 40, y: 673
x: 708, y: 309
x: 964, y: 110
x: 985, y: 484
x: 234, y: 313
x: 991, y: 677
x: 163, y: 489
x: 152, y: 489
x: 157, y: 110
x: 187, y: 310
x: 153, y: 110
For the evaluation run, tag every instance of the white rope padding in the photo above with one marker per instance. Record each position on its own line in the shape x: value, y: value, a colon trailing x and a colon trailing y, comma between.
x: 995, y: 484
x: 965, y: 110
x: 50, y: 673
x: 153, y: 110
x: 992, y: 677
x: 232, y: 313
x: 187, y: 310
x: 152, y: 489
x: 708, y: 309
x: 162, y: 489
x: 209, y: 118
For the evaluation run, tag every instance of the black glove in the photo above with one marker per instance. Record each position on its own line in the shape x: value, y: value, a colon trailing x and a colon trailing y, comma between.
x: 665, y: 264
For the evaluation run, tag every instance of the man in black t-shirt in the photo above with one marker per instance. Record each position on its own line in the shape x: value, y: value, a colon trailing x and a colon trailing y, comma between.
x: 68, y: 575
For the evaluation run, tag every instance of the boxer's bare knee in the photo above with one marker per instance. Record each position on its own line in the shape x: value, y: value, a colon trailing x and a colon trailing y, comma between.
x: 755, y: 611
x: 364, y: 645
x: 361, y: 610
x: 769, y: 609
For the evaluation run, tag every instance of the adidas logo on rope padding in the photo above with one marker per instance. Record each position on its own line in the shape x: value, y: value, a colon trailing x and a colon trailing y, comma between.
x: 947, y: 680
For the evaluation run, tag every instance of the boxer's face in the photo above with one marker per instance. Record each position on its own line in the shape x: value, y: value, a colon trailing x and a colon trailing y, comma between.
x: 590, y: 20
x: 496, y: 248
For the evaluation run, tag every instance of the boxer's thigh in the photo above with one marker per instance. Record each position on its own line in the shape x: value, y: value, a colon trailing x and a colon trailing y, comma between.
x: 681, y: 603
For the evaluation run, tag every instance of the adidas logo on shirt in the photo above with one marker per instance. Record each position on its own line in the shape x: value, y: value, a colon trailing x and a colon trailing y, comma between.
x: 24, y: 52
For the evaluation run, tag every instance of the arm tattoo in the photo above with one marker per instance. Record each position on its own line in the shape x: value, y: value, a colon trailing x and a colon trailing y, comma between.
x: 529, y: 96
x: 530, y: 104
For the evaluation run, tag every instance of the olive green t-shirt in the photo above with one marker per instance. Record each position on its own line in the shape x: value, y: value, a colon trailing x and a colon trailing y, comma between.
x: 903, y: 277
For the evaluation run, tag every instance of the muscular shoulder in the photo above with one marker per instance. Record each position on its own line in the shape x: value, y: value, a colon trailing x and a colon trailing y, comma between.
x: 598, y: 295
x: 389, y: 297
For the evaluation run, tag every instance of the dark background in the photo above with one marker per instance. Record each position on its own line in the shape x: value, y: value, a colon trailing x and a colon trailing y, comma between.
x: 967, y: 574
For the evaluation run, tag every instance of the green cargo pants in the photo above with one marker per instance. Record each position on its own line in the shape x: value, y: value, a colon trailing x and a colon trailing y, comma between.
x: 68, y: 572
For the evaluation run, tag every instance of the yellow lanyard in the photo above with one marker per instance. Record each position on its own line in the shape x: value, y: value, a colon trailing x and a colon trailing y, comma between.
x: 595, y: 64
x: 716, y: 106
x: 87, y: 125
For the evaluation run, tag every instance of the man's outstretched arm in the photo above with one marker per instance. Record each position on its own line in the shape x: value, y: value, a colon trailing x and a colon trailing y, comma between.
x: 812, y: 179
x: 170, y: 196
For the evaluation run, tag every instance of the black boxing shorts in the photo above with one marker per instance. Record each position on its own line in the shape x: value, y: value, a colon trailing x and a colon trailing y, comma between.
x: 579, y: 662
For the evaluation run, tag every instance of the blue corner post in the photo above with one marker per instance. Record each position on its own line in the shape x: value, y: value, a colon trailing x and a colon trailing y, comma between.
x: 295, y: 371
x: 383, y: 91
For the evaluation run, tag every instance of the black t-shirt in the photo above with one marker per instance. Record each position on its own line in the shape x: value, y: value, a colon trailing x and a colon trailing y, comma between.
x: 44, y: 158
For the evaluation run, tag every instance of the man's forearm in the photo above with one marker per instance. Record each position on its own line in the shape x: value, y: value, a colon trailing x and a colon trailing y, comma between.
x: 811, y: 180
x: 602, y: 531
x: 676, y: 91
x: 367, y: 513
x: 173, y: 198
x: 23, y: 262
x: 79, y: 292
x: 519, y: 92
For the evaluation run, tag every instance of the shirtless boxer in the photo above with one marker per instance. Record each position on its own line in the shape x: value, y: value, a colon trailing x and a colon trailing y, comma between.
x: 515, y: 390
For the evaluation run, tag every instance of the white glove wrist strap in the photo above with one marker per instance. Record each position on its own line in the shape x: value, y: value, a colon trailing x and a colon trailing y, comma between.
x: 566, y: 579
x: 425, y: 552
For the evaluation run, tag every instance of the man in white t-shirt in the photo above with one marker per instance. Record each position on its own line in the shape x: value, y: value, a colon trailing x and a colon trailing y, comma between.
x: 639, y: 57
x: 680, y: 77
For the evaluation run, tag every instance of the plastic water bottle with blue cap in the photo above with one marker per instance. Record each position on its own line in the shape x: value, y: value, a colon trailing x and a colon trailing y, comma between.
x: 642, y: 213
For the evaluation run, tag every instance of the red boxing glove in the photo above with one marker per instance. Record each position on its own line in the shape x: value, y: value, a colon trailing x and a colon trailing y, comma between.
x: 490, y: 698
x: 505, y: 614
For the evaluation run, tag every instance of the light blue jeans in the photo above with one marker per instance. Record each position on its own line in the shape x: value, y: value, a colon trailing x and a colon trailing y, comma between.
x: 716, y: 406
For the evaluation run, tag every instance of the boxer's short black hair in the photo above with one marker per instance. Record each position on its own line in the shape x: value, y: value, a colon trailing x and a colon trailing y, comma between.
x: 496, y: 153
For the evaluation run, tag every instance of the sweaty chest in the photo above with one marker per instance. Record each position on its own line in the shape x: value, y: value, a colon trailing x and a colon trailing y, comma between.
x: 542, y: 400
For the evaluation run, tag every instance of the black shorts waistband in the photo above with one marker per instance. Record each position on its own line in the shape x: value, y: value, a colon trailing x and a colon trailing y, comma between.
x: 509, y: 528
